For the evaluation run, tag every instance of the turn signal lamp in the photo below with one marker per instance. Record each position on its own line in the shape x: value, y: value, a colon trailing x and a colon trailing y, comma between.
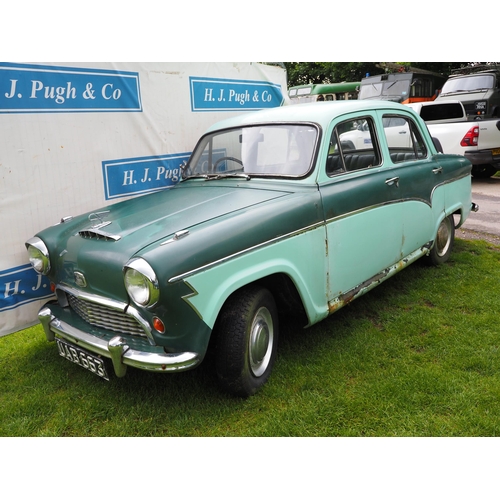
x: 158, y: 325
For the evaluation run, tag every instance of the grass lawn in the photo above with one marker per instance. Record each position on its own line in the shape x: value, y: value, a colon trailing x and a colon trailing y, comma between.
x: 417, y: 356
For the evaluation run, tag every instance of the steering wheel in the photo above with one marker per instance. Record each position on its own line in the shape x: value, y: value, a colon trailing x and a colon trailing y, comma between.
x: 230, y: 158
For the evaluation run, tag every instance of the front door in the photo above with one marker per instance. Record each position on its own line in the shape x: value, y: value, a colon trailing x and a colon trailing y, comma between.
x: 361, y: 202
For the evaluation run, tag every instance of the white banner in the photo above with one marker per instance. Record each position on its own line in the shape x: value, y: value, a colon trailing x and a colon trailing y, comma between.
x: 76, y: 137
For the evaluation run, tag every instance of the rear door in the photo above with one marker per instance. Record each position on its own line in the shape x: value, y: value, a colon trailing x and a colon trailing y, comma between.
x: 418, y: 176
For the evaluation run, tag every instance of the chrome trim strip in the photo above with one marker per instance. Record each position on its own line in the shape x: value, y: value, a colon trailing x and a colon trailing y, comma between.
x: 177, y: 236
x: 132, y: 311
x: 364, y: 209
x: 117, y: 349
x: 97, y: 299
x: 180, y: 277
x: 345, y: 298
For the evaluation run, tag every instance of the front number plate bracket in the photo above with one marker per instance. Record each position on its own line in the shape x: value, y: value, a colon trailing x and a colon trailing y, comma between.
x: 82, y: 358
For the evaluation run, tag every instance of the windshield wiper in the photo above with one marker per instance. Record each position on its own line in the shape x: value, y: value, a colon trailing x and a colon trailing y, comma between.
x: 454, y: 92
x: 211, y: 177
x: 214, y: 177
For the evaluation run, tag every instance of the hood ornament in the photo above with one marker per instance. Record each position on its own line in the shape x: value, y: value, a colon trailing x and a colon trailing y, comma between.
x: 95, y: 231
x: 97, y: 221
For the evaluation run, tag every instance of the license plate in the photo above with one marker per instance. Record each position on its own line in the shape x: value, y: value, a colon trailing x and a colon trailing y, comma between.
x: 82, y: 358
x: 495, y: 151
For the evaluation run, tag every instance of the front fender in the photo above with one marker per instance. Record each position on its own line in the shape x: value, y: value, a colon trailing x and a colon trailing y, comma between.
x: 302, y: 257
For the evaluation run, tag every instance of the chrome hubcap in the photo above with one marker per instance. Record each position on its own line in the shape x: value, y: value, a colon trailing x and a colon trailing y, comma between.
x: 261, y: 341
x: 443, y: 239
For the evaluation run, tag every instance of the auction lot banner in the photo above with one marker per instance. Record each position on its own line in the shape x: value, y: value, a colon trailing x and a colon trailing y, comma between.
x: 78, y: 136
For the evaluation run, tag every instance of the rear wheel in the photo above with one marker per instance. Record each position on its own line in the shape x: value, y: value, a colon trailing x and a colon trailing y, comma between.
x: 443, y: 244
x: 247, y: 336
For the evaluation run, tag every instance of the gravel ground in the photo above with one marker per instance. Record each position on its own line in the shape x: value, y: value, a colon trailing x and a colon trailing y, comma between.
x: 467, y: 234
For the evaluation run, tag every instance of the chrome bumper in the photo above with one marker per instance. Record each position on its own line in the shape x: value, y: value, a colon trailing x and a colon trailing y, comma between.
x: 117, y: 349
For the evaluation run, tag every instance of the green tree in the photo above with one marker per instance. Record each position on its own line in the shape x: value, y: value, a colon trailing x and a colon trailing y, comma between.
x: 300, y: 73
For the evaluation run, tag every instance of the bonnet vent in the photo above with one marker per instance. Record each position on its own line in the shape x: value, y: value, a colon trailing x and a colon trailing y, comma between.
x: 97, y: 234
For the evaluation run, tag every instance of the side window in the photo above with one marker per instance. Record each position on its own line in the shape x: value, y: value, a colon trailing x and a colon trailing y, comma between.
x: 353, y: 146
x: 403, y: 139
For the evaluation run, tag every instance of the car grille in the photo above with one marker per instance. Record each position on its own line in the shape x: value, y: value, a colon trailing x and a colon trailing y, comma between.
x: 105, y: 317
x: 470, y: 109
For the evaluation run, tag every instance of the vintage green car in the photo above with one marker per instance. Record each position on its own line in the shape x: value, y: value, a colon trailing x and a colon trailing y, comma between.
x: 275, y: 214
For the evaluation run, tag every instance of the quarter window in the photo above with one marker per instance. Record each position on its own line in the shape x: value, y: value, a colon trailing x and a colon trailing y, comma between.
x: 353, y: 146
x: 403, y: 139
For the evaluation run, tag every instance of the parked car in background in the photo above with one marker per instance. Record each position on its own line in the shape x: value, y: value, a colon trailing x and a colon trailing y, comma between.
x: 403, y: 87
x: 313, y: 92
x: 396, y: 130
x: 274, y: 216
x: 478, y: 141
x: 477, y: 88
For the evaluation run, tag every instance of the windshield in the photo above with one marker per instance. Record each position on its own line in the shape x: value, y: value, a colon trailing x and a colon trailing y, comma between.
x: 469, y: 84
x: 259, y: 150
x: 376, y: 90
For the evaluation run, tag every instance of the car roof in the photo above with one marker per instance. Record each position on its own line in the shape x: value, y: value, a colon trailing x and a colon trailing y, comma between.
x: 492, y: 71
x: 317, y: 112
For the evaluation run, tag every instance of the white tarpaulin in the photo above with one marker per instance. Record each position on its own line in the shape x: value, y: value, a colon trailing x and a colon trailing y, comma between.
x: 76, y: 137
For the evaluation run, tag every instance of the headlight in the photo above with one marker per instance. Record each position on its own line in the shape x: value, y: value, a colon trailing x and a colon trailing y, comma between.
x: 141, y: 283
x: 38, y: 255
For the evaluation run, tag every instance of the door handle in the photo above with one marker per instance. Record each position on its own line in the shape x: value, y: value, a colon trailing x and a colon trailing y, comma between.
x: 393, y: 181
x: 438, y: 170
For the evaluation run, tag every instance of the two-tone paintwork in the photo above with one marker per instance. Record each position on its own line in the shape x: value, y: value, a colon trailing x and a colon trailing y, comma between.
x: 332, y: 237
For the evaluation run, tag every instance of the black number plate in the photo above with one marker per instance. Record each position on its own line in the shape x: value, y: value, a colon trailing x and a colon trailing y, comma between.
x: 83, y: 358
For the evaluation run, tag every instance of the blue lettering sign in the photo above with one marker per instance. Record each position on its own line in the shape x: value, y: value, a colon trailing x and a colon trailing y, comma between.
x: 214, y: 94
x: 51, y: 89
x: 21, y: 285
x: 134, y: 176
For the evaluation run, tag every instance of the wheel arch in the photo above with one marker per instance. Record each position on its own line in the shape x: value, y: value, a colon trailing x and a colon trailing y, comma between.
x: 458, y: 219
x: 291, y: 291
x: 286, y: 295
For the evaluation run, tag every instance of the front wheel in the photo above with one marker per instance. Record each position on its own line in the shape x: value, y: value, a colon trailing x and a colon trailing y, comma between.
x: 247, y: 337
x: 443, y: 244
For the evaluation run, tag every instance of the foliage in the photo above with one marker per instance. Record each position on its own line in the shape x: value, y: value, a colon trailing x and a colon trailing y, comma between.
x: 300, y: 73
x: 417, y: 356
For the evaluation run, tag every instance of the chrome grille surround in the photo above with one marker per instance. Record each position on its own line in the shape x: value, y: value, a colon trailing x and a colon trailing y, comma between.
x: 103, y: 317
x: 107, y: 314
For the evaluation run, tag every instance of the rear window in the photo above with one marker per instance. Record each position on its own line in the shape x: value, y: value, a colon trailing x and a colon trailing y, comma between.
x: 445, y: 111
